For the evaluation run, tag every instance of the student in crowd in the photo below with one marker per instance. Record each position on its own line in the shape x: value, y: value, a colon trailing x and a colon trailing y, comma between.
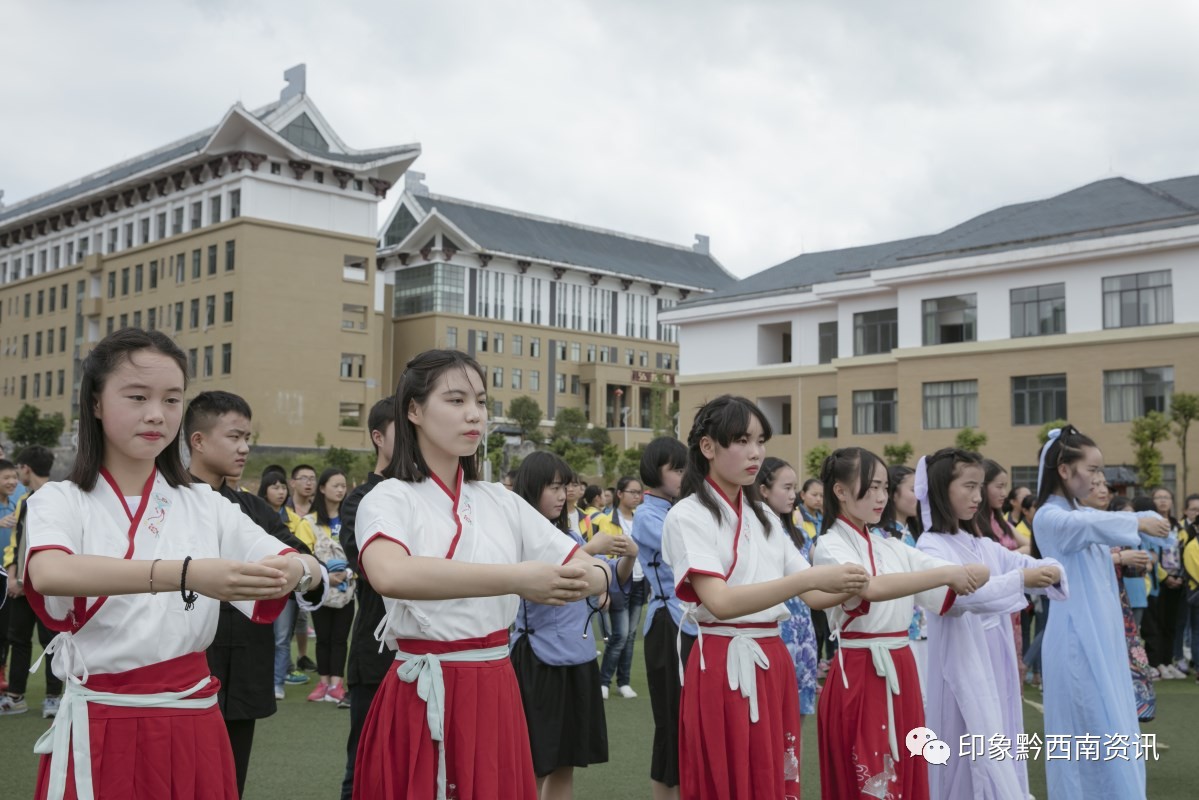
x: 775, y: 488
x: 974, y: 680
x: 273, y: 489
x: 589, y: 510
x: 668, y: 638
x: 300, y: 502
x: 739, y: 727
x: 624, y: 610
x: 368, y: 662
x: 135, y: 598
x: 555, y: 665
x: 811, y: 512
x: 991, y: 522
x: 217, y: 429
x: 1175, y: 585
x: 871, y: 699
x: 332, y: 621
x: 1190, y: 565
x: 574, y: 495
x: 1160, y: 620
x: 449, y: 554
x: 10, y: 493
x: 509, y: 479
x: 33, y: 465
x: 608, y: 499
x: 1086, y: 628
x: 901, y: 520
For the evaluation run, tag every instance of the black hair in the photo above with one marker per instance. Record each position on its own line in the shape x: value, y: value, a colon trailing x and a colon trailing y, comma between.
x: 207, y: 407
x: 1065, y: 449
x: 382, y: 413
x: 271, y: 476
x: 944, y: 466
x: 318, y: 502
x: 1188, y: 500
x: 591, y: 494
x: 112, y: 351
x: 665, y: 451
x: 986, y: 517
x: 723, y: 421
x: 896, y: 474
x: 1118, y: 503
x: 768, y: 473
x: 1143, y: 502
x: 5, y: 464
x: 1169, y: 517
x: 39, y: 459
x: 808, y: 484
x: 540, y: 469
x: 274, y: 468
x: 296, y: 469
x: 416, y: 385
x: 845, y: 465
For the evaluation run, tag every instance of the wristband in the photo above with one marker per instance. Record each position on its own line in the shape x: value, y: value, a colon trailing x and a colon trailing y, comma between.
x: 189, y: 598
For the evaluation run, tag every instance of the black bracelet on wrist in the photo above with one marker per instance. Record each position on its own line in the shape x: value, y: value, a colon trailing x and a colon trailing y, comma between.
x: 189, y: 598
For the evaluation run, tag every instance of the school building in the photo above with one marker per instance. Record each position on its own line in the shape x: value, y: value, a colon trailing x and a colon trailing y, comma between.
x: 256, y: 245
x: 1079, y: 306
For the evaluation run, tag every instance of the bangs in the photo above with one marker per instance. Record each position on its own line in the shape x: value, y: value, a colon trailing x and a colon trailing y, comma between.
x: 732, y: 422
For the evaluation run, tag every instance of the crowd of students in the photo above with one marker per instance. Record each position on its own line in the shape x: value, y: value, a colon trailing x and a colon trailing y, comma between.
x: 454, y: 617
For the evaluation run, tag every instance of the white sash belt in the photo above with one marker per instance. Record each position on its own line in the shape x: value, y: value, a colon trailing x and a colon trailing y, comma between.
x: 745, y: 656
x: 70, y: 734
x: 880, y: 653
x: 425, y: 671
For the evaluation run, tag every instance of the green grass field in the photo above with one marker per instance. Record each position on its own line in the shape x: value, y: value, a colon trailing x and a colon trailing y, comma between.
x: 299, y: 754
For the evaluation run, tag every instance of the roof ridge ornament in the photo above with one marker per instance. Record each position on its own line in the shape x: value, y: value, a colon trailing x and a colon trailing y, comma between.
x: 297, y: 82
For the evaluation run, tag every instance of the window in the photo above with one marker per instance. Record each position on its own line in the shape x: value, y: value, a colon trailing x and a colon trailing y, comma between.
x: 874, y: 411
x: 195, y: 265
x: 629, y: 358
x: 210, y: 311
x: 124, y: 321
x: 875, y: 332
x: 137, y: 319
x: 195, y: 313
x: 41, y: 302
x: 1146, y: 298
x: 138, y: 278
x: 177, y: 221
x: 177, y: 322
x: 350, y: 415
x: 516, y: 376
x: 827, y: 409
x: 128, y: 234
x: 235, y: 204
x: 497, y: 342
x: 318, y: 176
x: 518, y: 344
x: 24, y: 385
x: 145, y: 230
x: 352, y: 365
x: 161, y: 225
x: 124, y: 281
x: 214, y: 210
x: 561, y: 351
x: 497, y: 408
x: 481, y: 339
x: 430, y: 287
x: 61, y: 382
x: 353, y: 317
x: 197, y: 214
x: 226, y: 358
x: 1037, y: 399
x: 62, y: 339
x: 208, y: 361
x: 50, y: 342
x: 535, y: 347
x: 828, y: 343
x: 534, y: 380
x: 950, y: 319
x: 180, y: 268
x: 561, y: 380
x: 230, y: 255
x: 643, y: 358
x: 153, y: 274
x: 575, y: 351
x: 53, y: 297
x: 1132, y: 393
x: 590, y: 353
x: 1039, y: 310
x: 451, y: 337
x: 37, y: 344
x: 276, y: 168
x: 193, y: 359
x: 497, y: 377
x: 574, y: 384
x: 112, y: 240
x: 37, y: 385
x: 212, y: 259
x: 950, y: 404
x: 151, y: 319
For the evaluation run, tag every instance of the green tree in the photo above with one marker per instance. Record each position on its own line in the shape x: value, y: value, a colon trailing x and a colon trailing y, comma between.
x: 570, y: 424
x: 970, y: 439
x: 527, y: 414
x: 344, y: 460
x: 629, y: 463
x: 1146, y: 432
x: 320, y: 440
x: 495, y: 453
x: 1184, y: 409
x: 599, y: 439
x: 579, y: 457
x: 30, y: 427
x: 898, y: 454
x: 1043, y: 433
x: 610, y: 458
x: 661, y: 415
x: 814, y: 459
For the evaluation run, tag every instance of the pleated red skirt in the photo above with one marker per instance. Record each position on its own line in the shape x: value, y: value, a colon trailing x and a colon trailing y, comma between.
x: 155, y: 753
x: 486, y: 738
x: 724, y: 756
x: 851, y: 730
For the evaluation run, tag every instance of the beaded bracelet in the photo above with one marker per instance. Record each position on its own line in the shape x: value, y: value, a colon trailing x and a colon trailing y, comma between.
x: 189, y: 598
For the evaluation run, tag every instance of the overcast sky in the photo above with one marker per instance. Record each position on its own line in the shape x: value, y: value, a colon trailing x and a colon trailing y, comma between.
x: 774, y: 127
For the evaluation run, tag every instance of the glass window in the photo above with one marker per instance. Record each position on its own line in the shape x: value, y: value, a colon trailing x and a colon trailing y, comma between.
x: 498, y: 341
x: 177, y: 221
x: 534, y: 380
x: 1037, y: 399
x: 197, y: 214
x: 828, y: 342
x: 429, y: 287
x: 1146, y: 298
x: 481, y: 340
x: 138, y: 276
x: 561, y: 381
x: 153, y: 274
x: 574, y: 384
x: 235, y: 204
x: 214, y: 210
x: 1132, y: 393
x: 228, y: 306
x: 208, y: 361
x: 1039, y: 310
x: 516, y: 378
x: 195, y: 265
x: 950, y: 319
x: 575, y: 351
x: 875, y: 332
x: 451, y: 337
x: 827, y: 425
x: 210, y: 311
x: 353, y: 365
x: 212, y: 259
x: 497, y: 377
x: 193, y: 360
x: 518, y: 344
x: 950, y: 404
x: 230, y: 255
x: 194, y: 318
x: 535, y: 347
x: 124, y: 283
x: 874, y: 411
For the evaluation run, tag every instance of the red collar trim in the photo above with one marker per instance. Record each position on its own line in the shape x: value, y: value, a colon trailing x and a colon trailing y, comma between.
x: 134, y: 518
x: 720, y: 492
x: 736, y: 509
x: 866, y: 536
x: 453, y: 495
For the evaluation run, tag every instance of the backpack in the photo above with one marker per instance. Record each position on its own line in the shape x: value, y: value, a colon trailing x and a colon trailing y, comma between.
x: 330, y: 552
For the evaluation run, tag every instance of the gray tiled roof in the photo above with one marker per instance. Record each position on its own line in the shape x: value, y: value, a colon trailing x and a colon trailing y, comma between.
x: 1105, y: 208
x: 536, y: 238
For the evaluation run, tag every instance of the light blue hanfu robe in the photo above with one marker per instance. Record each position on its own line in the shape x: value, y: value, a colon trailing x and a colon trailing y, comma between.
x: 1087, y: 682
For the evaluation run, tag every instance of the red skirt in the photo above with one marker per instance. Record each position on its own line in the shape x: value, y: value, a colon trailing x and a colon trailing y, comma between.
x: 155, y: 753
x: 486, y: 738
x: 851, y: 727
x: 722, y: 755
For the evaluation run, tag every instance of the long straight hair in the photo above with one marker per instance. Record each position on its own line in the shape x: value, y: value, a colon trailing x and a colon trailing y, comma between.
x: 723, y: 420
x: 113, y: 350
x: 944, y: 467
x: 889, y: 522
x: 764, y: 482
x: 416, y: 385
x: 537, y: 471
x: 987, y: 517
x: 319, y: 505
x: 1067, y: 448
x: 844, y: 466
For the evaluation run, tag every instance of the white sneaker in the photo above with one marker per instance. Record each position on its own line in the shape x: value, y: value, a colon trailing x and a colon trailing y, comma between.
x: 1182, y: 666
x: 1168, y: 672
x: 279, y: 695
x: 627, y: 692
x: 604, y: 692
x: 50, y: 707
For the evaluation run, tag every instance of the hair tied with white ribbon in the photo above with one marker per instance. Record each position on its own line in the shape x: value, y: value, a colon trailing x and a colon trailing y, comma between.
x: 1053, y: 437
x: 920, y: 489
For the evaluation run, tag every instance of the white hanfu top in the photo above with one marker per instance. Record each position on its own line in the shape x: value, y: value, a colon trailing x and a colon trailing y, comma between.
x: 738, y: 549
x: 124, y: 632
x: 482, y: 523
